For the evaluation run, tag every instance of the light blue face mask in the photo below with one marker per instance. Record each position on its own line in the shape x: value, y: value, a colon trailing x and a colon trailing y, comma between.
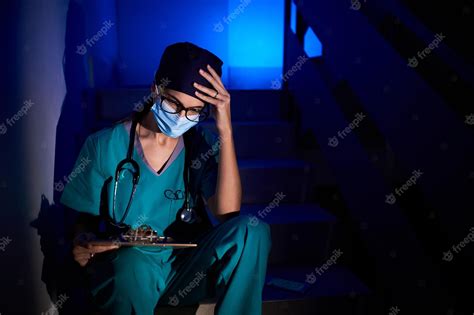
x: 172, y: 125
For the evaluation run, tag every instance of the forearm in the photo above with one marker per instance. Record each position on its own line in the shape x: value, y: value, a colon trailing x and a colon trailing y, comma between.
x: 228, y: 189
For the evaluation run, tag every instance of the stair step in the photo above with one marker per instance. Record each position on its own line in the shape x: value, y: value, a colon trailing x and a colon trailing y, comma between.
x: 294, y: 229
x: 288, y: 213
x: 269, y: 139
x: 113, y: 104
x: 261, y: 139
x: 335, y: 281
x: 253, y: 105
x: 110, y: 105
x: 337, y: 291
x: 262, y: 179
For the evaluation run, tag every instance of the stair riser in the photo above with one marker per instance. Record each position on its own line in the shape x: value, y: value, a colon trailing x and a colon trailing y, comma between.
x: 261, y: 184
x: 263, y: 140
x: 322, y: 306
x: 294, y: 243
x: 254, y: 105
x: 246, y: 105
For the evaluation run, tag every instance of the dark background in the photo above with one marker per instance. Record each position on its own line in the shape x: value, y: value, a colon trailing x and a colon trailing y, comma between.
x: 355, y: 59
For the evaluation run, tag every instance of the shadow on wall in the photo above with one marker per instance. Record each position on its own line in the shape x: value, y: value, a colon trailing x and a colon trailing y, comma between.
x: 63, y: 277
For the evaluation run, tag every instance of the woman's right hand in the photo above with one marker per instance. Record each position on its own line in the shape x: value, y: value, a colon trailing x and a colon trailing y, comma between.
x: 83, y: 252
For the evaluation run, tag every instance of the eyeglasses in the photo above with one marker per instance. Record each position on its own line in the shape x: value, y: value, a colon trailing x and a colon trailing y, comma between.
x: 173, y: 106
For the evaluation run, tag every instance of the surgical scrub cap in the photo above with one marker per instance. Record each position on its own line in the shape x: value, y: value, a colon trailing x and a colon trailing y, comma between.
x: 180, y: 64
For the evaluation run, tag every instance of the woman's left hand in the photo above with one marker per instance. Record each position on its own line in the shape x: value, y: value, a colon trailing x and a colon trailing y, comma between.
x: 221, y: 101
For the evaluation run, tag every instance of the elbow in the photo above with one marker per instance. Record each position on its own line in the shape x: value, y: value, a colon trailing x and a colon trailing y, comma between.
x: 227, y: 216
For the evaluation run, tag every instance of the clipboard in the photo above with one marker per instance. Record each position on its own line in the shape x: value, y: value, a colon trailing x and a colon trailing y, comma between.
x: 137, y: 243
x: 144, y: 236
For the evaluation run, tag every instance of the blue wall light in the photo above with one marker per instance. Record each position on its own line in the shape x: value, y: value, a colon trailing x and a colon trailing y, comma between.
x: 246, y: 34
x: 312, y: 44
x: 255, y: 43
x: 294, y: 8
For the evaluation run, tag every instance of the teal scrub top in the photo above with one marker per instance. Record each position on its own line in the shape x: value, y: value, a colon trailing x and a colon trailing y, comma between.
x: 158, y: 197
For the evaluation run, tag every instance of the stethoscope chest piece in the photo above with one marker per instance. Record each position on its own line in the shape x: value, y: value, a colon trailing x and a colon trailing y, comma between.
x: 188, y: 215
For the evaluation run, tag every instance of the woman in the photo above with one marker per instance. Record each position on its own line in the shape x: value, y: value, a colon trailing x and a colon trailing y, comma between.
x: 230, y: 260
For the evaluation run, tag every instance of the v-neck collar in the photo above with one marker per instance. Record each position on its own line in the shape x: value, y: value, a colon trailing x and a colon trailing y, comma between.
x: 139, y: 150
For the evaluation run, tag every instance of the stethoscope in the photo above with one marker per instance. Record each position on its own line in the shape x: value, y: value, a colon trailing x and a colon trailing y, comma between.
x: 187, y: 214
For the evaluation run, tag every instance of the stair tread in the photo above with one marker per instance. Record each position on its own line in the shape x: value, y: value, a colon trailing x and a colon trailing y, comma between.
x: 335, y: 281
x: 207, y: 123
x: 288, y: 213
x: 272, y: 163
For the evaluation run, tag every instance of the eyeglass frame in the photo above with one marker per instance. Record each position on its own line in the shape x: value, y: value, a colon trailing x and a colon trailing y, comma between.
x: 180, y: 107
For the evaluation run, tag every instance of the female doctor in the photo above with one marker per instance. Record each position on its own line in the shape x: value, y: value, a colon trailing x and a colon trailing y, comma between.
x: 230, y: 260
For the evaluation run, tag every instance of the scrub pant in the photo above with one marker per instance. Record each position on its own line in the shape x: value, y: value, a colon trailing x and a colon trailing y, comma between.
x: 229, y: 264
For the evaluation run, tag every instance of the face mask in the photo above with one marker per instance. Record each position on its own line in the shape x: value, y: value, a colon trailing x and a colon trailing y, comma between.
x: 171, y: 125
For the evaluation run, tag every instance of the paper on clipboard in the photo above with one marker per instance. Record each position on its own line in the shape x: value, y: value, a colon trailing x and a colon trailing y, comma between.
x: 141, y: 244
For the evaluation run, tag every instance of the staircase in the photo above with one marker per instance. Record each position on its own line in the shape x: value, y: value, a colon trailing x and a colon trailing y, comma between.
x: 270, y: 164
